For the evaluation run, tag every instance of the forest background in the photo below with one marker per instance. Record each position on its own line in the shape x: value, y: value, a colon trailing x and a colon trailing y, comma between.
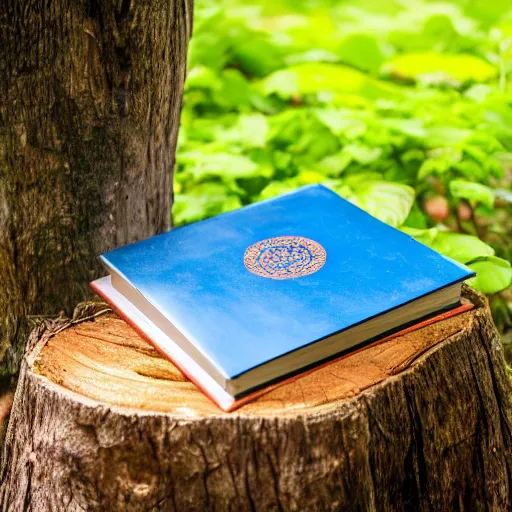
x: 403, y: 107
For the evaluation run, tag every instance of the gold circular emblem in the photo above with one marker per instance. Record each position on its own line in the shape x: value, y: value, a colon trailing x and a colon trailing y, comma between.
x: 284, y: 257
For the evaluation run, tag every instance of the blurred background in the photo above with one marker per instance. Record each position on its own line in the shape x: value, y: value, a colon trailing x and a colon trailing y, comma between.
x: 402, y: 107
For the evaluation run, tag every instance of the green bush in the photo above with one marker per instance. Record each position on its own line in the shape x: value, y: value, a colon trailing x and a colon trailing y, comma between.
x: 404, y: 108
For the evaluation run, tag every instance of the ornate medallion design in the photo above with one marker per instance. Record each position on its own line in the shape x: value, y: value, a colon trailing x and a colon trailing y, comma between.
x: 284, y: 257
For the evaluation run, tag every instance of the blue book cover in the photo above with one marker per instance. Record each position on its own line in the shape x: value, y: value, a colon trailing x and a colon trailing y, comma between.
x: 254, y: 284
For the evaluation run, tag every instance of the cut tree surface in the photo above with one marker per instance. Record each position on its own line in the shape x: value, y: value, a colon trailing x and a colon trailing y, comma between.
x: 107, y: 360
x: 420, y: 422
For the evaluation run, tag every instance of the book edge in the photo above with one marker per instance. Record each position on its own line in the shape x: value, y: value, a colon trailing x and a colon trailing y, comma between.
x: 230, y: 403
x: 220, y: 397
x: 233, y: 375
x: 398, y: 306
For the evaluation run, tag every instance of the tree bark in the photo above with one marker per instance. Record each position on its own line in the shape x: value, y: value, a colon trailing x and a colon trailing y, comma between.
x: 90, y: 97
x: 421, y: 422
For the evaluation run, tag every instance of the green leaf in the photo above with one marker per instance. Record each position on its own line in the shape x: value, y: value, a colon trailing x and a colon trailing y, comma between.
x: 360, y: 178
x: 425, y: 236
x: 235, y: 92
x: 362, y: 153
x: 313, y: 55
x: 257, y: 56
x: 339, y: 122
x: 343, y: 190
x: 203, y: 201
x: 504, y: 195
x: 488, y: 11
x: 209, y: 47
x: 413, y: 156
x: 470, y: 169
x: 440, y: 162
x: 438, y: 27
x: 316, y: 30
x: 416, y: 218
x: 309, y: 78
x: 223, y: 165
x: 317, y: 77
x: 447, y: 136
x: 362, y: 51
x: 281, y: 160
x: 493, y: 275
x: 389, y: 202
x: 250, y: 130
x: 431, y: 66
x: 443, y: 27
x: 462, y: 248
x: 276, y: 188
x: 479, y: 92
x: 334, y: 165
x: 409, y: 127
x: 284, y: 83
x: 473, y: 192
x: 287, y: 126
x: 314, y: 143
x: 308, y: 177
x: 201, y: 77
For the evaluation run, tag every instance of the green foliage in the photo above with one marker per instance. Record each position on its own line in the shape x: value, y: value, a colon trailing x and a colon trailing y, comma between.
x: 430, y: 66
x: 389, y: 202
x: 362, y: 51
x: 493, y: 274
x: 403, y: 108
x: 463, y: 248
x: 473, y: 192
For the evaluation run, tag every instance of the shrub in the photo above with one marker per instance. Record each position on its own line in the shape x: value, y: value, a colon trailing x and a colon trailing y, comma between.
x: 402, y: 108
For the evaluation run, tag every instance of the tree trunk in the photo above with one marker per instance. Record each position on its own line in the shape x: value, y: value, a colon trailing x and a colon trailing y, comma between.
x: 90, y: 97
x: 421, y: 422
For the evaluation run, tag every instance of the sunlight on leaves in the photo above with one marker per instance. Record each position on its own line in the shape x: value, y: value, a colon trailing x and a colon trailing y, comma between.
x: 473, y: 192
x: 425, y: 236
x: 435, y: 67
x: 362, y: 51
x: 460, y: 247
x: 493, y: 275
x: 389, y: 103
x: 223, y: 165
x: 210, y: 197
x: 389, y: 202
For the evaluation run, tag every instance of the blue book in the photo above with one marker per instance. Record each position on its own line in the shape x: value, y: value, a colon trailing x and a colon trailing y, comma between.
x: 252, y: 296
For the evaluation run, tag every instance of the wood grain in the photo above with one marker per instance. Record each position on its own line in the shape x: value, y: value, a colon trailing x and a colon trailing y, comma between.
x: 107, y: 360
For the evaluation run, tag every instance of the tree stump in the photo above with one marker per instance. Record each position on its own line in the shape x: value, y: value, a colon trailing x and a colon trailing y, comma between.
x: 420, y: 422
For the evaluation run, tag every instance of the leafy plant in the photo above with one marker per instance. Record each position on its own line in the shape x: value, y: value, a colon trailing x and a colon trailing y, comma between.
x: 403, y: 108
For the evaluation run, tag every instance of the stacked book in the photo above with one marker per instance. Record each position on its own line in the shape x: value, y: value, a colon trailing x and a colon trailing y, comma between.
x: 254, y: 297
